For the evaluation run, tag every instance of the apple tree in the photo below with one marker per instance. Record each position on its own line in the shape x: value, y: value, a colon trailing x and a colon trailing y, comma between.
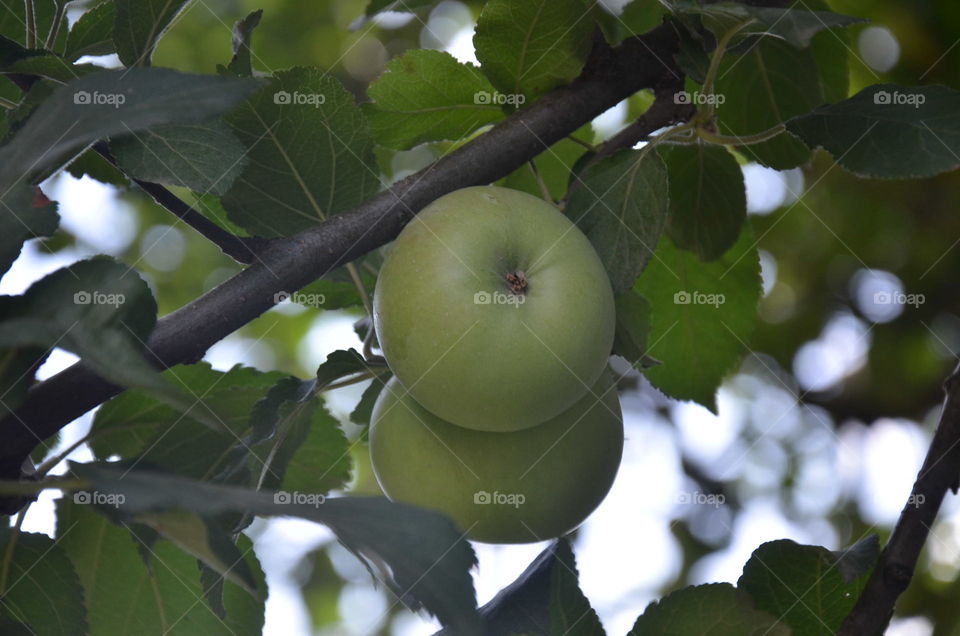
x: 293, y: 149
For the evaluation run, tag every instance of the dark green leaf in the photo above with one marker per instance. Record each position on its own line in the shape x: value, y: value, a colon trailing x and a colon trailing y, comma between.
x: 25, y: 213
x: 716, y: 609
x: 888, y: 131
x: 340, y: 364
x: 544, y: 600
x: 51, y: 67
x: 636, y: 18
x: 139, y: 25
x: 136, y: 424
x: 125, y: 595
x: 376, y: 6
x: 91, y: 164
x: 93, y: 32
x: 796, y: 25
x: 304, y: 450
x: 633, y: 327
x: 703, y: 316
x: 364, y: 409
x: 527, y: 47
x: 13, y: 22
x: 42, y: 589
x: 554, y: 166
x: 764, y: 86
x: 622, y: 207
x: 98, y: 309
x: 204, y: 541
x: 205, y: 157
x: 708, y: 202
x: 425, y: 95
x: 242, y: 38
x: 89, y: 109
x: 310, y: 153
x: 802, y: 585
x: 427, y: 558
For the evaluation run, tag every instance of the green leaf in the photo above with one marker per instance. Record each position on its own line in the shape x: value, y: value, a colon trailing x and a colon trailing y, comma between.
x: 362, y: 412
x: 89, y: 109
x: 13, y: 22
x: 331, y: 294
x: 242, y: 38
x: 802, y: 585
x: 304, y: 450
x: 340, y: 364
x: 25, y: 213
x: 708, y: 202
x: 554, y: 165
x: 136, y: 424
x: 795, y: 25
x: 98, y: 309
x: 204, y: 541
x: 636, y: 18
x: 125, y: 596
x: 310, y: 153
x: 205, y: 157
x: 703, y: 315
x: 43, y: 591
x: 622, y: 207
x: 544, y: 600
x: 139, y: 25
x: 764, y: 86
x: 427, y: 559
x: 17, y: 370
x: 93, y: 33
x: 51, y: 67
x: 633, y: 328
x: 91, y: 164
x: 715, y: 609
x: 425, y: 95
x: 888, y: 131
x: 376, y: 6
x: 527, y: 47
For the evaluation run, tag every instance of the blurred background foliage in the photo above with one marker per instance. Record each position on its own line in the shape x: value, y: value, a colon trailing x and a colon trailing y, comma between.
x: 821, y: 431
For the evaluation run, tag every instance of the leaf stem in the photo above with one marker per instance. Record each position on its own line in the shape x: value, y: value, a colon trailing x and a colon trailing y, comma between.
x: 710, y: 79
x: 544, y: 190
x: 8, y: 553
x: 8, y: 104
x: 740, y: 140
x: 55, y: 27
x: 31, y: 39
x: 361, y: 289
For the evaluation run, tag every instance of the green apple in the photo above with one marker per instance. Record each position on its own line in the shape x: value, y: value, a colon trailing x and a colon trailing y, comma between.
x: 519, y: 487
x: 494, y: 310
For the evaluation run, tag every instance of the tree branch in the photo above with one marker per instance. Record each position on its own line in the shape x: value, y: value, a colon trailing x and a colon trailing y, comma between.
x: 288, y: 264
x: 940, y: 472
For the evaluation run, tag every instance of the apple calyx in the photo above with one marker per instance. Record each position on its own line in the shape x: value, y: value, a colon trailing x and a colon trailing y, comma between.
x: 517, y: 281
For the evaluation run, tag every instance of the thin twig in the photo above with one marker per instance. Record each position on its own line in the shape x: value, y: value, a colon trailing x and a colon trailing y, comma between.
x: 891, y: 576
x: 243, y: 249
x: 55, y: 27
